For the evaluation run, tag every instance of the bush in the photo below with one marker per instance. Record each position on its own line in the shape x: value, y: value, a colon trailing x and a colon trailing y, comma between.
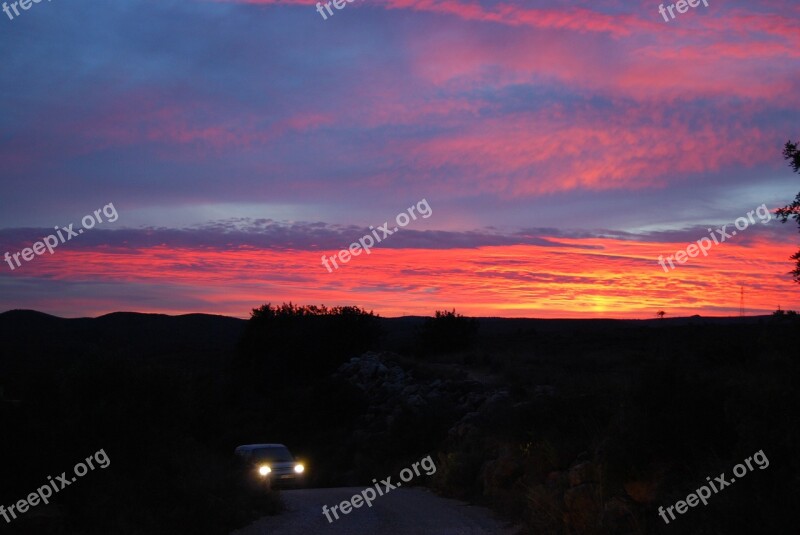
x: 288, y: 344
x: 446, y: 332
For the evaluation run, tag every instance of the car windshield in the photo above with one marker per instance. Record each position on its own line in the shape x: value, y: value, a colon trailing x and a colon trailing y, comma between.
x: 273, y: 454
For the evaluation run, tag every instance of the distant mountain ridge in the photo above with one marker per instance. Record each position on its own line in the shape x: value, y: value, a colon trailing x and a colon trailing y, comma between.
x: 206, y: 339
x: 200, y: 339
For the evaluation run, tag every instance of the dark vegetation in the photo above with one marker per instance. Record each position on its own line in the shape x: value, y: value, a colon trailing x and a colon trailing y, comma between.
x: 585, y: 427
x: 446, y: 332
x: 606, y: 421
x: 791, y: 153
x: 292, y: 344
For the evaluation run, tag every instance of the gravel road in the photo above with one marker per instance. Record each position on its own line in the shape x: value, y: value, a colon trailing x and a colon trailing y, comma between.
x: 400, y: 512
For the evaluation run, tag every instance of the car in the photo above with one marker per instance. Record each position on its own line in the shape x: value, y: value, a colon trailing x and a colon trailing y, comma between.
x: 271, y: 464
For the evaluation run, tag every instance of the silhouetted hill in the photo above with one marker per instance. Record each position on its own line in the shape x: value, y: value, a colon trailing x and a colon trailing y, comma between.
x: 196, y: 339
x: 205, y: 339
x: 401, y: 332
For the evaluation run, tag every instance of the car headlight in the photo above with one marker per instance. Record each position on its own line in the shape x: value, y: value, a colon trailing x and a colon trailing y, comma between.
x: 299, y: 468
x: 264, y: 470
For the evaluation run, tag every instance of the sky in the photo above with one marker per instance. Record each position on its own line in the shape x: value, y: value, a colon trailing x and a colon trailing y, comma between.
x: 560, y: 146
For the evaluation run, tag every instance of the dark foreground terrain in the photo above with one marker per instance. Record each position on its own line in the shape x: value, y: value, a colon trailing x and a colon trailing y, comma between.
x: 561, y: 427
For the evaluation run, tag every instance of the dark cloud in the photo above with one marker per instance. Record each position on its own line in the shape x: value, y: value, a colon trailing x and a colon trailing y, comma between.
x: 269, y: 234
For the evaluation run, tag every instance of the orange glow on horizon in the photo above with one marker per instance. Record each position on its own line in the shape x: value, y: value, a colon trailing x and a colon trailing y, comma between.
x: 580, y: 278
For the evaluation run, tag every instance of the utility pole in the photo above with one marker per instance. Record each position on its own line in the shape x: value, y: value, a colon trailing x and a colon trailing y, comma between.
x: 741, y: 303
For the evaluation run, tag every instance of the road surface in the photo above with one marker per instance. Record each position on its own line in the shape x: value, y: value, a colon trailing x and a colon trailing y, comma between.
x: 400, y: 512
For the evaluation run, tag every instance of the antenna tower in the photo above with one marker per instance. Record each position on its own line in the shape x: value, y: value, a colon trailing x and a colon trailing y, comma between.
x: 741, y: 303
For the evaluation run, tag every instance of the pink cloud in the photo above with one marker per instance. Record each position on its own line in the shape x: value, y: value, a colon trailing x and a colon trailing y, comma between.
x: 613, y: 278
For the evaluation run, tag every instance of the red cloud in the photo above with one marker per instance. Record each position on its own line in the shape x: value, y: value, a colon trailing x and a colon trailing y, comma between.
x: 614, y: 278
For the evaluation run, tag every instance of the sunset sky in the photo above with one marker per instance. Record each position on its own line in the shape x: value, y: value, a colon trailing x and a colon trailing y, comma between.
x: 562, y: 146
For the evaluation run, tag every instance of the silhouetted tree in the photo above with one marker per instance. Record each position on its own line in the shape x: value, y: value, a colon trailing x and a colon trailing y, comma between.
x: 446, y: 332
x: 290, y: 343
x: 791, y: 153
x: 660, y: 314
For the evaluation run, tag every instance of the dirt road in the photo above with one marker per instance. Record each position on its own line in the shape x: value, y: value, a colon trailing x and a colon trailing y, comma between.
x: 399, y: 512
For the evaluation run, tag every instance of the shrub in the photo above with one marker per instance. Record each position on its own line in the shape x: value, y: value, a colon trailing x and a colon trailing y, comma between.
x: 287, y: 344
x: 446, y: 332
